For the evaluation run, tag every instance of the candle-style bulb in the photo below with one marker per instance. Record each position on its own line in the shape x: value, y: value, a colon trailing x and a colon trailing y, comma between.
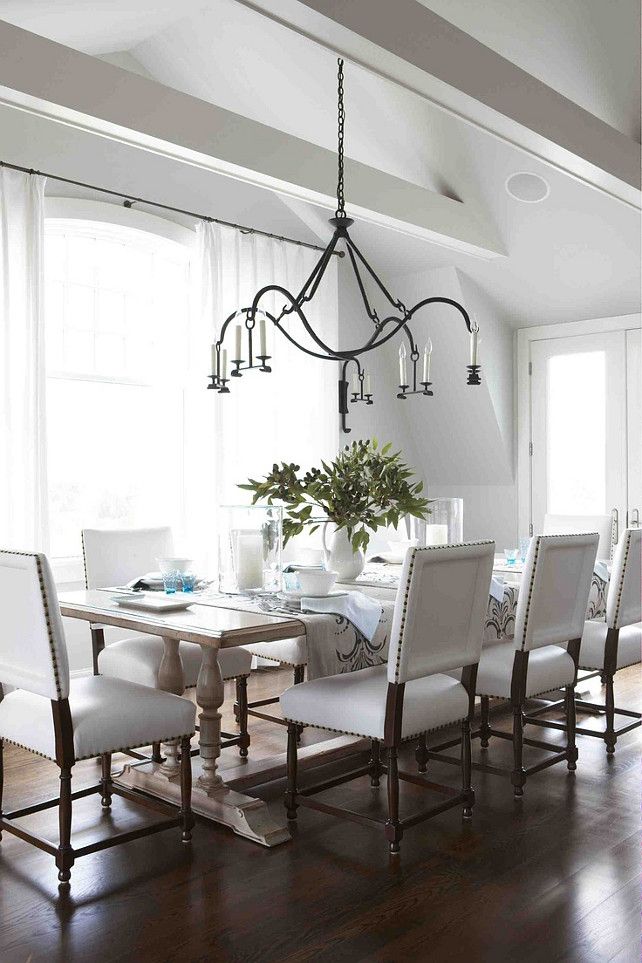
x: 474, y: 339
x: 403, y: 378
x: 427, y: 359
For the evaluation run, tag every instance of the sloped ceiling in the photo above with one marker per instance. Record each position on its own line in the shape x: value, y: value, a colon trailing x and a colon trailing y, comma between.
x: 575, y: 255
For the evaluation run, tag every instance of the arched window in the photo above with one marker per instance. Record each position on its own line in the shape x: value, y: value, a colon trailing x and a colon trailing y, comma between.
x: 116, y: 319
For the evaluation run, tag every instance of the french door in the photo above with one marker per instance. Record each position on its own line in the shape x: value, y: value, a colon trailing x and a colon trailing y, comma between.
x: 586, y: 426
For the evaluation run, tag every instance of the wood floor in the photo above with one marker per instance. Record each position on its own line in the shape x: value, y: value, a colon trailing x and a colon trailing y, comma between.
x: 554, y: 876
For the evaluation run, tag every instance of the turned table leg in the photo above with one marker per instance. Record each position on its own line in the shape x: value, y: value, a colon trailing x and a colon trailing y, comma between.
x: 210, y: 693
x: 171, y: 679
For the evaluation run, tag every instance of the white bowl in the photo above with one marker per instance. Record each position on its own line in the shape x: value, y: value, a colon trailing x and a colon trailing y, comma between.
x: 168, y: 565
x: 316, y: 582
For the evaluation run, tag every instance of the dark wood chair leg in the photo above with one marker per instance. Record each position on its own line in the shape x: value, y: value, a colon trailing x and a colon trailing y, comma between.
x: 421, y: 753
x: 156, y: 752
x: 241, y: 701
x: 187, y: 816
x: 299, y: 677
x: 65, y: 854
x: 610, y: 738
x: 374, y: 763
x: 105, y: 781
x: 518, y: 775
x: 97, y: 645
x: 394, y: 832
x: 466, y: 770
x: 484, y: 728
x: 292, y: 762
x: 571, y: 748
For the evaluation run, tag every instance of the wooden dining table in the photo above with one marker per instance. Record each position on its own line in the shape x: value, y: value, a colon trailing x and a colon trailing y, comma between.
x: 213, y: 629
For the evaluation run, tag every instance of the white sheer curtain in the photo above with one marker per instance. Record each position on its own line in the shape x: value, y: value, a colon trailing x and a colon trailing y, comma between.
x: 288, y: 415
x: 23, y: 473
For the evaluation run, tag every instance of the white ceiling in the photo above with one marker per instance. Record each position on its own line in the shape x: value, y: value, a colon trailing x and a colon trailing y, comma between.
x: 575, y: 255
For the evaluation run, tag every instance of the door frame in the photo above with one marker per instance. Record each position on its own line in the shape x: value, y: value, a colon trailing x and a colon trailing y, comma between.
x: 524, y: 340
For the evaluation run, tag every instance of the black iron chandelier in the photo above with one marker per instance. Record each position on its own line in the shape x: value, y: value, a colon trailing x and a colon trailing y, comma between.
x: 385, y: 328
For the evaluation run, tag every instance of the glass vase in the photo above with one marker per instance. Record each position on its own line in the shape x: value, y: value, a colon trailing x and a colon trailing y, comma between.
x: 249, y: 548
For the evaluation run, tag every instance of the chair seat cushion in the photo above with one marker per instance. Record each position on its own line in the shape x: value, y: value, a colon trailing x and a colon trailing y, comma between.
x: 594, y: 639
x: 138, y: 658
x: 287, y: 651
x: 355, y: 703
x: 108, y: 715
x: 549, y: 667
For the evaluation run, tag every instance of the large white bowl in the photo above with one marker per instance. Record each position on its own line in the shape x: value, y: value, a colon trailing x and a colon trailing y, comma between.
x: 168, y: 564
x: 315, y: 582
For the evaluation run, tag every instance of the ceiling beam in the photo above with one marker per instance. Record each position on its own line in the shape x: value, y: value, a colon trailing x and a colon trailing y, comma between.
x: 44, y: 77
x: 407, y: 43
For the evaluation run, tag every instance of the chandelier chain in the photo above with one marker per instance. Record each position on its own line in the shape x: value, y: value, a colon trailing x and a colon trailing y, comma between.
x: 341, y: 120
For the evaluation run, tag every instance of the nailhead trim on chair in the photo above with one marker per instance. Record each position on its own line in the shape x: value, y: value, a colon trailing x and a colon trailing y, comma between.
x: 45, y: 606
x: 415, y: 551
x: 363, y: 735
x: 538, y: 541
x: 92, y: 755
x: 294, y: 665
x: 620, y: 587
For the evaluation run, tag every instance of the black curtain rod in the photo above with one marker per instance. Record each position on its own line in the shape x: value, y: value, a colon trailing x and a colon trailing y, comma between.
x: 129, y: 200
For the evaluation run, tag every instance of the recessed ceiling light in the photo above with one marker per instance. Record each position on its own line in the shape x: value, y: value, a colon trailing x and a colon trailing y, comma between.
x: 527, y: 187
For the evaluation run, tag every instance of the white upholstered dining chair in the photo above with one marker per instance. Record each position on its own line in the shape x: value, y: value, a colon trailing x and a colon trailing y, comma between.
x: 438, y: 625
x: 551, y: 609
x: 604, y: 525
x: 616, y: 642
x: 115, y: 557
x: 67, y: 721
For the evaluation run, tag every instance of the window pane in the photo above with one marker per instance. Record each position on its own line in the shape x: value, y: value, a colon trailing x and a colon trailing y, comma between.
x: 576, y: 423
x: 114, y: 458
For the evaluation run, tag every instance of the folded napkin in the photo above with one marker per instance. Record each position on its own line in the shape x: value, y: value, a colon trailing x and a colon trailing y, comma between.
x: 363, y: 612
x: 497, y: 588
x: 601, y: 569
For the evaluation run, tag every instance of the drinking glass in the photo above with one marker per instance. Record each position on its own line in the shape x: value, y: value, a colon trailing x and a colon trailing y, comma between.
x: 170, y: 582
x: 524, y: 544
x: 511, y: 555
x: 189, y: 581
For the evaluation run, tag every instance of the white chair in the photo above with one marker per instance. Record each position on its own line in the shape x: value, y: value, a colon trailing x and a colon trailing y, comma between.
x: 438, y: 625
x: 613, y: 644
x: 604, y: 525
x: 114, y: 557
x: 68, y: 721
x: 551, y: 609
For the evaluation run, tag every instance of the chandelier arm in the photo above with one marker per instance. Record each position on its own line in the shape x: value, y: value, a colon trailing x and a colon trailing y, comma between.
x: 278, y: 289
x: 438, y: 300
x: 395, y: 303
x: 355, y: 267
x: 318, y: 273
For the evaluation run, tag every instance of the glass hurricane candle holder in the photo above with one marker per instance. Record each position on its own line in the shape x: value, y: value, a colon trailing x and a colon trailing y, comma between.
x: 249, y: 548
x: 444, y: 525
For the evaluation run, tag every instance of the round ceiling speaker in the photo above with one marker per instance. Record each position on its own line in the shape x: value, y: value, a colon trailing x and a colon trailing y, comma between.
x: 527, y: 187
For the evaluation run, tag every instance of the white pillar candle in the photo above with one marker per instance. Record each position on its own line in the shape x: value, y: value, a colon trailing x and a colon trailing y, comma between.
x: 436, y: 534
x: 368, y: 385
x: 224, y: 363
x: 249, y: 560
x: 355, y: 383
x: 262, y: 337
x: 237, y: 356
x: 473, y: 343
x: 402, y: 365
x: 427, y: 359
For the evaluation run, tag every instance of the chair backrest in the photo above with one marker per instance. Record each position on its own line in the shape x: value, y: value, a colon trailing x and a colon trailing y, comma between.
x: 115, y: 556
x: 582, y: 525
x: 438, y: 623
x: 555, y: 587
x: 33, y: 653
x: 623, y: 603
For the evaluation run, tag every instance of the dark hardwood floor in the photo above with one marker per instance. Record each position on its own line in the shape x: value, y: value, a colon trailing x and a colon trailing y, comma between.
x: 554, y: 876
